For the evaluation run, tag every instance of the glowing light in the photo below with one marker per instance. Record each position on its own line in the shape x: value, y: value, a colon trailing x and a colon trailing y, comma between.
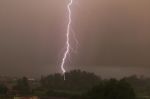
x: 67, y: 47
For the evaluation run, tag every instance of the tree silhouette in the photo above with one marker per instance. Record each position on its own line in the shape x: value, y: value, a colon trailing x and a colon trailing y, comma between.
x: 111, y: 89
x: 76, y: 80
x: 3, y: 89
x: 22, y: 87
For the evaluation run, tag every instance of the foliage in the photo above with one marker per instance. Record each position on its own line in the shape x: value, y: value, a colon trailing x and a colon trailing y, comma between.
x: 3, y: 89
x: 22, y: 87
x: 111, y: 89
x: 76, y: 80
x: 140, y: 84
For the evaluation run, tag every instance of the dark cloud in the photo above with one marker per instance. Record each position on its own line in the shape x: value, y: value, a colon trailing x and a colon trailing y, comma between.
x: 112, y: 34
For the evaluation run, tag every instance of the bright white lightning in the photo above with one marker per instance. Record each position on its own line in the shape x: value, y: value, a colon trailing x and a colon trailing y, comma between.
x: 66, y: 53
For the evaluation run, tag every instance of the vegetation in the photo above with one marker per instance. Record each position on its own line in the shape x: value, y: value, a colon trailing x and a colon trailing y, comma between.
x: 84, y: 85
x: 141, y: 86
x: 80, y: 85
x: 22, y: 87
x: 75, y: 81
x: 3, y: 89
x: 111, y: 89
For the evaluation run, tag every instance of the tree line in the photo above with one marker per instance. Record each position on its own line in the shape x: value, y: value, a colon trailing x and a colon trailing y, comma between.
x: 80, y: 85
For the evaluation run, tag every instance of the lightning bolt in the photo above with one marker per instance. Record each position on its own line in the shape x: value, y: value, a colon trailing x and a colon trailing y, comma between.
x: 67, y: 51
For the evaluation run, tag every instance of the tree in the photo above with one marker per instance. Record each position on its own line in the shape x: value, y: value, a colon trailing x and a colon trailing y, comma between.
x: 76, y: 80
x: 111, y: 89
x: 3, y: 89
x: 22, y: 86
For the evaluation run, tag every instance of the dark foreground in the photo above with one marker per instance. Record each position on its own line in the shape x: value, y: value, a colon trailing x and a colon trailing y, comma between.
x: 78, y: 85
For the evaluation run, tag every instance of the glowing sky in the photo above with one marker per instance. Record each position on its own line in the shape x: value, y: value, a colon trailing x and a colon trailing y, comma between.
x: 114, y: 35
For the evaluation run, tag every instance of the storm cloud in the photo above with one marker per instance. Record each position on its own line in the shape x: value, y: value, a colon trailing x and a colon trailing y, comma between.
x: 113, y: 36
